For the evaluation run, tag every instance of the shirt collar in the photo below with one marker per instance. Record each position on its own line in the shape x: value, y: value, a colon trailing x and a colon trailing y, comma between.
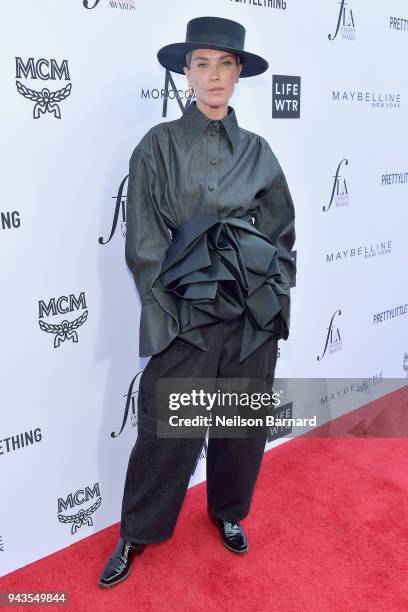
x: 195, y: 122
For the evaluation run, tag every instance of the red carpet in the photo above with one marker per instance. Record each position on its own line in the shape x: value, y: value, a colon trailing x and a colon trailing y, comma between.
x: 328, y: 530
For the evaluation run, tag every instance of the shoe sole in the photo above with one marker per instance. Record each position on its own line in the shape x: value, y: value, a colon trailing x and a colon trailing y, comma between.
x: 239, y: 552
x: 108, y: 586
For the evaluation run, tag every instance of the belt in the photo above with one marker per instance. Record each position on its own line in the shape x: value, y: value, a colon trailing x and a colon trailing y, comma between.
x: 220, y: 269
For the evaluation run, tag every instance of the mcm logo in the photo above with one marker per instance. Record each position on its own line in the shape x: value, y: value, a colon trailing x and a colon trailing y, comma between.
x: 66, y: 330
x: 405, y: 363
x: 45, y: 100
x: 339, y: 194
x: 333, y: 338
x: 345, y: 23
x: 120, y: 210
x: 130, y: 407
x: 82, y: 517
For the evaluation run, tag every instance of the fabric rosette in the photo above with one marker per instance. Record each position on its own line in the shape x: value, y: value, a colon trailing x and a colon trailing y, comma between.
x: 220, y: 269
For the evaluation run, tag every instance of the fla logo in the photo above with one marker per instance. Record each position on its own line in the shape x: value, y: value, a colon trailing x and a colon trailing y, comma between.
x: 333, y: 338
x: 345, y: 23
x: 119, y: 214
x: 339, y: 193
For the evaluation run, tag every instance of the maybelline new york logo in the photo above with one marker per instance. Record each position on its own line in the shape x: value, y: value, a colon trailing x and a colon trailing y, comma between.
x: 65, y: 330
x: 333, y: 338
x: 120, y: 211
x: 339, y: 194
x: 365, y: 251
x: 345, y: 23
x: 80, y: 497
x: 45, y: 101
x: 379, y: 99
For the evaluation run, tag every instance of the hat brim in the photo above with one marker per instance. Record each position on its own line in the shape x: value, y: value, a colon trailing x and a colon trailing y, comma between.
x: 173, y: 57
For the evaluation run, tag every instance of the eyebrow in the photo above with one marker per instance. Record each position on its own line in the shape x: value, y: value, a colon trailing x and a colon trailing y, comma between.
x: 206, y: 58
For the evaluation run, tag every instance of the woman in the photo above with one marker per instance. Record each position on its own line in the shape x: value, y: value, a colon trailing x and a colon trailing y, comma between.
x: 210, y: 227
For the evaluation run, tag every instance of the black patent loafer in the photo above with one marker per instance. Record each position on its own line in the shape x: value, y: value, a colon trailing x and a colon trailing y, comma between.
x: 119, y: 563
x: 232, y: 535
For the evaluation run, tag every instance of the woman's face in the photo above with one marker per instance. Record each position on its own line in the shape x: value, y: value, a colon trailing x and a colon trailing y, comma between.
x: 209, y: 69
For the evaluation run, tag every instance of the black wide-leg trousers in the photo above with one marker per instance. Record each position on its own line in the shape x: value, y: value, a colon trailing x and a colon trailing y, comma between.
x: 160, y: 469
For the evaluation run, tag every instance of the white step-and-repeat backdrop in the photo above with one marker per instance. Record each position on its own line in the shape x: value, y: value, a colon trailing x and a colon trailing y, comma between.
x: 80, y: 86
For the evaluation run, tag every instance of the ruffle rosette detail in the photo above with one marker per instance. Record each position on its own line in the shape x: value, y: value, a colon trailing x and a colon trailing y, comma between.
x: 217, y: 269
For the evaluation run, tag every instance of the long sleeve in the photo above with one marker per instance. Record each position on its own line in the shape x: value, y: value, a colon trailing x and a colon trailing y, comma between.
x: 275, y: 217
x: 147, y: 240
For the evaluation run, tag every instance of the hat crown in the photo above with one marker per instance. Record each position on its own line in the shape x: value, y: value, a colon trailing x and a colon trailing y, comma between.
x: 216, y: 30
x: 212, y: 33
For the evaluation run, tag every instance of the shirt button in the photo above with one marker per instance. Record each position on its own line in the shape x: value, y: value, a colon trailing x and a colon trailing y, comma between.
x: 210, y: 187
x: 213, y: 133
x: 213, y: 162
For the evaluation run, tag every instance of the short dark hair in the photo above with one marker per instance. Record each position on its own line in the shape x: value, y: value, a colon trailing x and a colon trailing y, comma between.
x: 190, y: 53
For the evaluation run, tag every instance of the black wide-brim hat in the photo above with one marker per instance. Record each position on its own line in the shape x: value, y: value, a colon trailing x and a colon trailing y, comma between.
x: 212, y: 33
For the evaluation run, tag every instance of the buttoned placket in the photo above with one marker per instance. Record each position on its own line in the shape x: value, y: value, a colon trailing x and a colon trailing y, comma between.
x: 213, y: 162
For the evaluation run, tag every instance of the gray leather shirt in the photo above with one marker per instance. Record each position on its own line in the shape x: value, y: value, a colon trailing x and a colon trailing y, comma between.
x: 191, y: 166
